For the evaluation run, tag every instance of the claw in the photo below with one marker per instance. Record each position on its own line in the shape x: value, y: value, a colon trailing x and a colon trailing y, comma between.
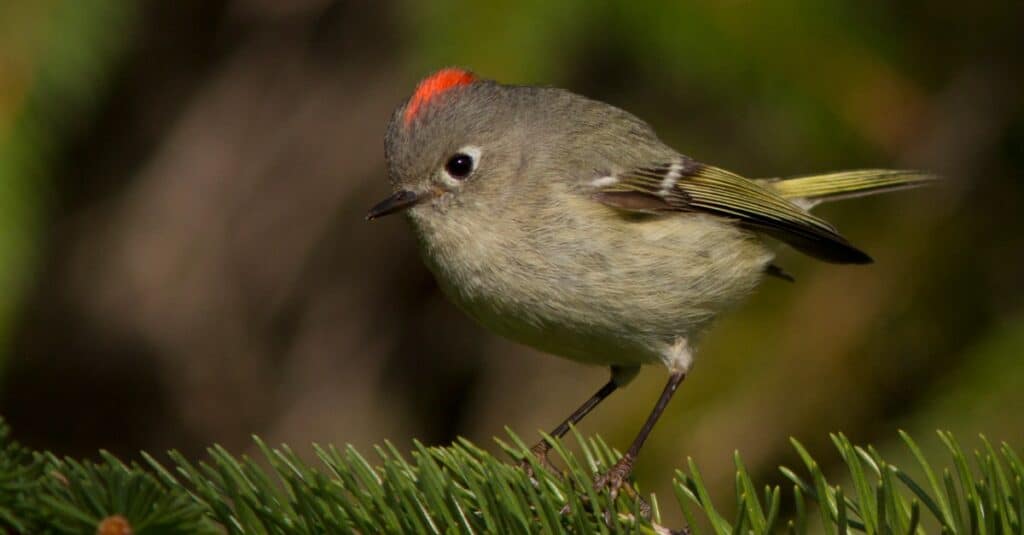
x: 540, y: 451
x: 614, y: 478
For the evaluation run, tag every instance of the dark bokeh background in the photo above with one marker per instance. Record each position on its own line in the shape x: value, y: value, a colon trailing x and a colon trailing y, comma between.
x: 183, y: 256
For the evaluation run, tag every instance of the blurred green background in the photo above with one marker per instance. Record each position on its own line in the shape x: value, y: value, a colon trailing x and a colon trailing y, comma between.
x: 183, y: 258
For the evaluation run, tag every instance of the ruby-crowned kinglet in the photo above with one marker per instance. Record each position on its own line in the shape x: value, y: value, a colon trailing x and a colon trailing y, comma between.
x: 565, y: 224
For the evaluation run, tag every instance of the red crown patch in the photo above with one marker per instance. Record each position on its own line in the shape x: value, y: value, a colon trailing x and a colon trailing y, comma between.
x: 434, y: 85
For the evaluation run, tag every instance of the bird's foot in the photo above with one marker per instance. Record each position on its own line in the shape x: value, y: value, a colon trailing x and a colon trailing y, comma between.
x: 617, y: 479
x: 540, y: 452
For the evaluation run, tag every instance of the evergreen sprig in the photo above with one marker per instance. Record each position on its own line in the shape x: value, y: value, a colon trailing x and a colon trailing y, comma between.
x: 19, y: 473
x: 463, y: 489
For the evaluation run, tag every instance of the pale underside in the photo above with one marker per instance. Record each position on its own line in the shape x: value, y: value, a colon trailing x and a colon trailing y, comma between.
x: 576, y: 280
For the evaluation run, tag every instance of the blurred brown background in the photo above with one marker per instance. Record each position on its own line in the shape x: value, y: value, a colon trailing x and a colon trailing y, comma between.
x: 183, y: 256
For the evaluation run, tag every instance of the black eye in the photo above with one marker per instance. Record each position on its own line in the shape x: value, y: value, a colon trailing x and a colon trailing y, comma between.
x: 459, y: 166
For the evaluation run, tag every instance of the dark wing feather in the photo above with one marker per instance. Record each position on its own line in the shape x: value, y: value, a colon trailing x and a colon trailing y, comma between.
x: 687, y: 185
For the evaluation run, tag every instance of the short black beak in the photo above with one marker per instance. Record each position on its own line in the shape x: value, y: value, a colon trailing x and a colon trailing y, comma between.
x: 401, y: 200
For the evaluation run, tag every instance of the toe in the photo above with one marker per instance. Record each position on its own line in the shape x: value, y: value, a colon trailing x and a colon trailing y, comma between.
x: 539, y: 452
x: 616, y: 476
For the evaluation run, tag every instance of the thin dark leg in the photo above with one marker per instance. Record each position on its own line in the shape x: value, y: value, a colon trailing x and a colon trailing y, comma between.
x: 585, y: 409
x: 674, y: 381
x: 618, y: 473
x: 542, y: 448
x: 620, y: 376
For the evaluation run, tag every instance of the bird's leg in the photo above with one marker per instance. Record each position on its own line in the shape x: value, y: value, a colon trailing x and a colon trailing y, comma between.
x: 619, y: 472
x: 620, y: 376
x: 541, y: 449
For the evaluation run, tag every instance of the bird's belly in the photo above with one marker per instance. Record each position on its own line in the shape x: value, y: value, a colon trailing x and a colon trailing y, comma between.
x: 572, y: 336
x: 609, y: 296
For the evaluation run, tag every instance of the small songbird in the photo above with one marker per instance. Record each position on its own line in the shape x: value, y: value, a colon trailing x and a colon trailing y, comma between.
x: 565, y: 224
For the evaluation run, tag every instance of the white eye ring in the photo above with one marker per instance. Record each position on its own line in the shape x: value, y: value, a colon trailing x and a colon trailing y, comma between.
x: 461, y: 165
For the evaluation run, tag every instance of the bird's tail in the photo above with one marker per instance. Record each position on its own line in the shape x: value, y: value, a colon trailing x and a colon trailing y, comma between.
x: 811, y: 190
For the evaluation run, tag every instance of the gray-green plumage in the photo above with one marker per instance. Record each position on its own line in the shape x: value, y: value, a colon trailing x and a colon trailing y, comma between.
x: 581, y: 234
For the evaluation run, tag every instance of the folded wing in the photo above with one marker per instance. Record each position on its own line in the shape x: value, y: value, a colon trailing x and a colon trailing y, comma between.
x: 685, y: 185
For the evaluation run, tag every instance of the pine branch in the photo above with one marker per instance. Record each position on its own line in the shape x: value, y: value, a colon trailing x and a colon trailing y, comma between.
x: 464, y: 489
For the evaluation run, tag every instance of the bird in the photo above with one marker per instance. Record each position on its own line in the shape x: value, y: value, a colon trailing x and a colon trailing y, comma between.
x: 565, y: 224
